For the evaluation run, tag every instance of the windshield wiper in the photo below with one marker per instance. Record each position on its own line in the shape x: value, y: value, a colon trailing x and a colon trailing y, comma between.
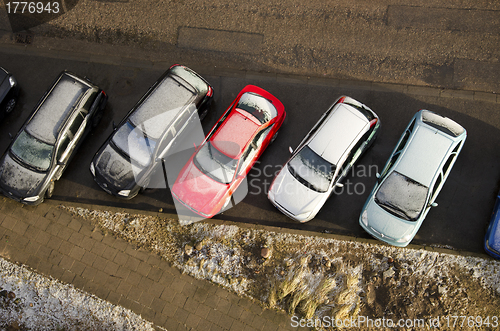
x: 394, y: 209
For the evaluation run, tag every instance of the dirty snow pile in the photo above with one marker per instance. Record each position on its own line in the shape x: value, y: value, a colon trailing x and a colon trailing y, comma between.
x: 31, y: 301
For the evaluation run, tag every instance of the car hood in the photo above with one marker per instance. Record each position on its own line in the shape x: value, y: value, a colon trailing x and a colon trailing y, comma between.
x: 295, y: 197
x: 116, y: 169
x: 387, y: 224
x: 17, y: 179
x: 199, y: 191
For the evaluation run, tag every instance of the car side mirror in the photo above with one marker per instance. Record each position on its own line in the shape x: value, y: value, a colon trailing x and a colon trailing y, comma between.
x: 377, y: 175
x: 434, y: 204
x: 114, y: 125
x: 339, y: 185
x: 61, y: 163
x: 10, y: 135
x: 290, y: 150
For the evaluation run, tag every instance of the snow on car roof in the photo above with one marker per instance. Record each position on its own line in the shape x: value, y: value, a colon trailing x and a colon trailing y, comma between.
x: 56, y: 108
x: 234, y: 133
x: 169, y: 98
x: 424, y: 154
x: 338, y: 133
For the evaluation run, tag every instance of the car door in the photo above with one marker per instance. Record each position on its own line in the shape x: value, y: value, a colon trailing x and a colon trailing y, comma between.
x: 69, y: 141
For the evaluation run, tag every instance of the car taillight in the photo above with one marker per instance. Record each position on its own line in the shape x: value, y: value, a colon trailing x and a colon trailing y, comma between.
x: 210, y: 91
x: 173, y: 65
x: 104, y: 93
x: 341, y: 100
x: 373, y: 122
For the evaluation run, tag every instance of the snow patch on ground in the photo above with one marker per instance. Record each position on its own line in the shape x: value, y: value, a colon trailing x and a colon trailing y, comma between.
x: 42, y: 303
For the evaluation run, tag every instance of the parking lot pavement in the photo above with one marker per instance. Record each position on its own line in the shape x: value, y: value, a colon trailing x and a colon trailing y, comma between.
x: 54, y: 243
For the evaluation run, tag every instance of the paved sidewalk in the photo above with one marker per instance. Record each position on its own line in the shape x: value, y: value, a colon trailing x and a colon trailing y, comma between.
x: 55, y: 243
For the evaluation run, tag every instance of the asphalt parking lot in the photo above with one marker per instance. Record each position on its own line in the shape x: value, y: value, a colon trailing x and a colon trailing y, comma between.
x: 465, y: 202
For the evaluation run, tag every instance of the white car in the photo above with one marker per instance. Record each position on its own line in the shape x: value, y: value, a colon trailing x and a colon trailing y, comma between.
x: 323, y: 159
x: 412, y: 178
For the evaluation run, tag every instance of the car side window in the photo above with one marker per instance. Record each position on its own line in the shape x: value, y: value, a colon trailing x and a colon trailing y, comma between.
x: 164, y: 143
x: 403, y: 141
x: 390, y: 164
x: 62, y: 146
x: 436, y: 185
x: 77, y: 122
x: 89, y: 102
x: 253, y: 148
x: 182, y: 120
x: 448, y: 163
x: 261, y: 136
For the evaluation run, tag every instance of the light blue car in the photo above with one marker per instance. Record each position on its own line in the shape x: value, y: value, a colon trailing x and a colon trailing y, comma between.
x: 412, y: 178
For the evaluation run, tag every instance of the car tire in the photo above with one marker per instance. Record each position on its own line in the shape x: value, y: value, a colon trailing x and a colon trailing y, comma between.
x: 274, y: 137
x: 50, y: 190
x: 204, y: 114
x: 10, y: 105
x: 97, y: 118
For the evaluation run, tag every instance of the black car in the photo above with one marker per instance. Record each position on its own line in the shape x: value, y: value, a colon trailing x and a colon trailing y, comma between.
x: 9, y: 91
x: 128, y: 159
x: 43, y: 147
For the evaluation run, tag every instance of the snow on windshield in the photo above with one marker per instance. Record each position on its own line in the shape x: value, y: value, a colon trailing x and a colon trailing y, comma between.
x: 135, y: 143
x: 309, y: 166
x: 258, y: 106
x: 215, y: 164
x: 32, y: 151
x: 161, y: 107
x: 401, y: 195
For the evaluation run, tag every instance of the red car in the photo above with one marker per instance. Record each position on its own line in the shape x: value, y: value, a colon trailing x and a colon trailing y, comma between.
x: 214, y: 172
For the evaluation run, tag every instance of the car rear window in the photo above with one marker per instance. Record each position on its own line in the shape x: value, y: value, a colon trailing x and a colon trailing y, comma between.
x: 258, y: 106
x: 190, y: 77
x: 442, y: 123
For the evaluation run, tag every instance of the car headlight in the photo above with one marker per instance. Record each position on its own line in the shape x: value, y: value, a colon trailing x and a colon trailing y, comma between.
x: 32, y: 199
x: 92, y: 169
x: 270, y: 194
x: 303, y: 215
x: 364, y: 217
x: 124, y: 193
x: 12, y: 81
x: 404, y: 239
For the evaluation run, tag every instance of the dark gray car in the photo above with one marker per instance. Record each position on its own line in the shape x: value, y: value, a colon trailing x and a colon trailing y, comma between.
x: 9, y: 91
x: 140, y: 143
x: 45, y: 144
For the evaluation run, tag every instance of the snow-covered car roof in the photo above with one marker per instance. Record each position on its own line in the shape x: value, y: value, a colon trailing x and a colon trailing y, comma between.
x: 338, y: 133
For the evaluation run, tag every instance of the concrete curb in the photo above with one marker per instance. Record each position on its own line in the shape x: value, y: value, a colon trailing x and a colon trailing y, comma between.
x: 269, y: 228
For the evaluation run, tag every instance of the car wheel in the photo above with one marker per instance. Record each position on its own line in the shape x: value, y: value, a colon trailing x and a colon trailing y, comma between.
x: 274, y: 137
x: 204, y: 114
x: 96, y: 119
x: 50, y: 190
x: 10, y: 105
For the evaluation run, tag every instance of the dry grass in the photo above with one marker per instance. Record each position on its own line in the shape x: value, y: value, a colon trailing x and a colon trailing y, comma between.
x: 292, y: 281
x: 297, y: 298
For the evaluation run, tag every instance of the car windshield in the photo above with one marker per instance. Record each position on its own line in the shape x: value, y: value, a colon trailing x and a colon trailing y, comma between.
x: 258, y: 106
x: 312, y: 170
x: 135, y: 144
x: 402, y: 196
x: 32, y: 151
x: 215, y: 164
